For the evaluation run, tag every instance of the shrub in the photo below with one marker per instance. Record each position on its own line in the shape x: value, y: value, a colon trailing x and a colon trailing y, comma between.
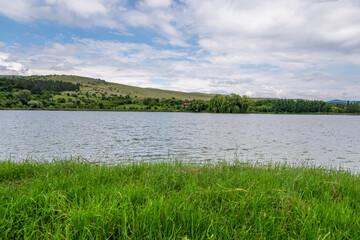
x: 35, y: 104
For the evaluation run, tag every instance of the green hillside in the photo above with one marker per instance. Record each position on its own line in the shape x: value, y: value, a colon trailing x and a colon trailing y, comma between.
x: 59, y: 92
x: 99, y: 87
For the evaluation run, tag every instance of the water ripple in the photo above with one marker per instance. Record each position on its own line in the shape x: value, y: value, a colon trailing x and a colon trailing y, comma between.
x: 116, y: 136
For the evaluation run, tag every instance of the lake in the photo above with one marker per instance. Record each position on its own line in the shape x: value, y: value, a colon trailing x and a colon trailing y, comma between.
x: 327, y: 140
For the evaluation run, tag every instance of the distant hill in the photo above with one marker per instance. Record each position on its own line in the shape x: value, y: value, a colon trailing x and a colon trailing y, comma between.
x: 98, y: 86
x: 343, y: 102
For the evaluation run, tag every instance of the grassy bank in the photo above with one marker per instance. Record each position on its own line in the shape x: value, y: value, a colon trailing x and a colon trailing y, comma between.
x: 177, y: 200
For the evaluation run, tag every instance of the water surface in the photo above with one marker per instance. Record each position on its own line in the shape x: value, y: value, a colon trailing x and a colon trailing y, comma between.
x: 118, y: 136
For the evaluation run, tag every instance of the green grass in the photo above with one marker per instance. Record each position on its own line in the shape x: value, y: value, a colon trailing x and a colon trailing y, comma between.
x: 92, y: 86
x: 176, y: 200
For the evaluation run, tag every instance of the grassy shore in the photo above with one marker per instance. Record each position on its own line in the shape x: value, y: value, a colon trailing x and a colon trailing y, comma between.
x: 176, y: 200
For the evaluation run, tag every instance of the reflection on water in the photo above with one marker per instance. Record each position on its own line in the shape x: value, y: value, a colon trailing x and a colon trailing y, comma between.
x: 117, y: 136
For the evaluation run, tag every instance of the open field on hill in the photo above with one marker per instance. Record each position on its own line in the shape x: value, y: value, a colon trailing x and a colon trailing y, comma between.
x: 176, y: 200
x: 97, y: 86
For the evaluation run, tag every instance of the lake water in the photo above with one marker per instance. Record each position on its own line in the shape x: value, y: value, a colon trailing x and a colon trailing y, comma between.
x: 119, y: 136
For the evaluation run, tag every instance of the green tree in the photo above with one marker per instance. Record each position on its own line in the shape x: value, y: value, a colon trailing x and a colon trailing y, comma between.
x: 216, y: 103
x: 352, y: 107
x: 23, y: 96
x: 238, y: 104
x: 198, y: 105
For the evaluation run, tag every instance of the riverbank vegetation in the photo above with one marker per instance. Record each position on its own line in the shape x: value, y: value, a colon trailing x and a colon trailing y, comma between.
x: 51, y: 93
x: 176, y: 200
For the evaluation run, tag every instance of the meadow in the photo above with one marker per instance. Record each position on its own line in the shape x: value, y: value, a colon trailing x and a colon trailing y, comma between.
x: 72, y: 199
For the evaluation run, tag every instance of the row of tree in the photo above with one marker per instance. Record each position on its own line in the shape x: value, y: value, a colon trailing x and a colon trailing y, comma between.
x: 221, y: 104
x: 21, y: 92
x: 298, y: 106
x: 35, y: 86
x: 302, y: 106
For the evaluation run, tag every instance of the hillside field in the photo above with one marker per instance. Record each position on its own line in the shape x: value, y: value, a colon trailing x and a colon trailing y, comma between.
x: 98, y: 86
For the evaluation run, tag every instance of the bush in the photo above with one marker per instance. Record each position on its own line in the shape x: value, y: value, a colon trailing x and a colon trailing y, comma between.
x: 61, y: 100
x: 35, y: 104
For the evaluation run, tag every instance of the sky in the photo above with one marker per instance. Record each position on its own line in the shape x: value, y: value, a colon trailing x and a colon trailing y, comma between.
x: 274, y: 49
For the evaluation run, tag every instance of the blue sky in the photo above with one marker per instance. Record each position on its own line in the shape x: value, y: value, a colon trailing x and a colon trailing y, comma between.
x: 284, y: 48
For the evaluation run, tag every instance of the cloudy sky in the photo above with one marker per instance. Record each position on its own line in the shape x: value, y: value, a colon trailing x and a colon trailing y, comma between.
x: 281, y: 48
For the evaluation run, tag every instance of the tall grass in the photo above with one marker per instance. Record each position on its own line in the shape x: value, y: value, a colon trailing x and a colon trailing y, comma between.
x: 176, y: 200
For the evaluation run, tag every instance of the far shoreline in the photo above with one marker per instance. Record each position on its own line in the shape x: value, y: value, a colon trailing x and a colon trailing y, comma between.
x: 113, y: 110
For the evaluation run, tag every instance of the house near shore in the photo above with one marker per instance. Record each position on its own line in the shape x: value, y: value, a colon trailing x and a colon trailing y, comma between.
x: 185, y: 104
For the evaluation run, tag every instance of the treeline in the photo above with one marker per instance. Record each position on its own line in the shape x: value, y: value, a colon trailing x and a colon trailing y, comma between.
x: 35, y: 86
x: 217, y: 104
x: 221, y: 104
x: 35, y: 92
x: 302, y: 106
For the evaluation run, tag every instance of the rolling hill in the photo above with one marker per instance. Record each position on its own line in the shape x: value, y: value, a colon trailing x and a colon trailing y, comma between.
x: 343, y: 102
x: 98, y: 86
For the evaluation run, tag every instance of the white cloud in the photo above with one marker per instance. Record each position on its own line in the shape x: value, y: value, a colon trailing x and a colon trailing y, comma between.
x: 64, y: 66
x: 10, y: 66
x: 283, y: 48
x: 84, y: 13
x: 86, y: 8
x: 139, y: 64
x: 157, y: 3
x: 276, y: 31
x: 18, y: 10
